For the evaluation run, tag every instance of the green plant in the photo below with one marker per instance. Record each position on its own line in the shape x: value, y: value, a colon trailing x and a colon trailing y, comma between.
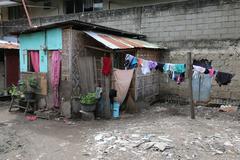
x: 22, y: 85
x: 33, y: 83
x: 88, y: 99
x: 14, y: 91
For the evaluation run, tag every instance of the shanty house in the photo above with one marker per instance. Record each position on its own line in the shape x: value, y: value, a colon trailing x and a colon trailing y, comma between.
x: 81, y: 47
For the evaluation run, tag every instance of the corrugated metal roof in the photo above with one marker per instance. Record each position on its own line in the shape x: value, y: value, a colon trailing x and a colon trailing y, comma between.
x: 83, y: 26
x: 8, y: 45
x: 118, y: 42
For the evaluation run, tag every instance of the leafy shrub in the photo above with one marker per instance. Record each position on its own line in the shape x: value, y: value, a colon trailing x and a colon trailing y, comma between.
x: 88, y: 99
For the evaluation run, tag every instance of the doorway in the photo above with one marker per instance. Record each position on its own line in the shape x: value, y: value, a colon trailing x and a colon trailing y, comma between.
x: 12, y: 67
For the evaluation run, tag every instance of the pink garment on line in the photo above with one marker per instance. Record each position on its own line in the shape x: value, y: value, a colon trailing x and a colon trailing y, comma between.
x: 55, y: 77
x: 211, y: 72
x: 35, y: 60
x: 122, y: 81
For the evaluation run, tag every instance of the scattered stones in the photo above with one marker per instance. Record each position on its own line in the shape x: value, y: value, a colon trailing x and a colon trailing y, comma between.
x: 228, y: 108
x: 98, y: 137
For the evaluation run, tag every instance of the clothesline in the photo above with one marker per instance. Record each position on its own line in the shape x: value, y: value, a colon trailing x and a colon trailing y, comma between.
x: 177, y: 71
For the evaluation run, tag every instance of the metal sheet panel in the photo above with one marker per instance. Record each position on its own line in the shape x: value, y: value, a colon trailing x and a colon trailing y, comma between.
x: 118, y: 42
x: 8, y: 45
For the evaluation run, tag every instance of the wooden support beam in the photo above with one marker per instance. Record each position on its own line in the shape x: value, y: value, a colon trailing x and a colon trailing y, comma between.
x: 97, y: 48
x: 189, y: 66
x: 27, y: 14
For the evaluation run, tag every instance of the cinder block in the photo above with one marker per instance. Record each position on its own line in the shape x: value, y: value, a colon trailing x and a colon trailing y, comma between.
x: 209, y: 31
x: 202, y: 26
x: 191, y: 27
x: 214, y: 25
x: 221, y: 19
x: 228, y: 24
x: 215, y: 14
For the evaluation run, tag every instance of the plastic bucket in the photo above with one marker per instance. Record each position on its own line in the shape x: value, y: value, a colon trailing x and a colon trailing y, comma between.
x: 116, y: 108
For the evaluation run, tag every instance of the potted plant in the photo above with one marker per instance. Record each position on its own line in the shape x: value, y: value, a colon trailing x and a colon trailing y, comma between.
x: 88, y: 102
x: 14, y: 92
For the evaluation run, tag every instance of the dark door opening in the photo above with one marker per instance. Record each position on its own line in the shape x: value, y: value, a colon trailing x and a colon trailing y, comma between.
x: 12, y: 67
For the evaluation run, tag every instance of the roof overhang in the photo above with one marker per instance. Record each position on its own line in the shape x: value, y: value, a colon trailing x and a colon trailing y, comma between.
x: 8, y: 3
x: 8, y: 45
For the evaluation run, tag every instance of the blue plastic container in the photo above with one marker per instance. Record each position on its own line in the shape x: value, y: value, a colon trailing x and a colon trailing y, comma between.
x: 116, y: 108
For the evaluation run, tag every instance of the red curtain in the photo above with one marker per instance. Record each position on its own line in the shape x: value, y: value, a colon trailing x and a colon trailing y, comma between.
x: 35, y: 60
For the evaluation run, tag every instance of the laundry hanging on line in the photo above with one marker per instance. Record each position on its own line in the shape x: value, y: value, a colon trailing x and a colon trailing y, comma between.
x: 175, y: 72
x: 204, y: 66
x: 107, y: 66
x: 223, y: 78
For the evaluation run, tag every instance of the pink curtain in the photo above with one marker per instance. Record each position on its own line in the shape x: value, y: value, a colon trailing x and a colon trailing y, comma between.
x: 55, y: 76
x: 35, y: 60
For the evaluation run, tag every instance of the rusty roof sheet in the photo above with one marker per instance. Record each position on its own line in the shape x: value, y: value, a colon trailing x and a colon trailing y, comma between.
x: 8, y: 45
x: 119, y: 42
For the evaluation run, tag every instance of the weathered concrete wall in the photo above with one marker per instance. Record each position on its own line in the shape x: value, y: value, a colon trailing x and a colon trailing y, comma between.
x: 190, y: 20
x: 65, y: 84
x: 208, y: 28
x: 226, y: 59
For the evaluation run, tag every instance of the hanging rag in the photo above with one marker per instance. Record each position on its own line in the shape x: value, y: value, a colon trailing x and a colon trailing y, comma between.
x: 159, y: 67
x: 223, y: 78
x: 35, y: 60
x: 145, y: 67
x: 179, y: 68
x: 199, y: 69
x: 133, y: 64
x: 55, y: 77
x: 211, y: 72
x: 130, y: 61
x: 98, y: 92
x: 179, y: 78
x: 107, y: 66
x: 140, y: 61
x: 203, y: 63
x: 152, y: 65
x: 175, y: 72
x: 167, y: 67
x: 122, y: 81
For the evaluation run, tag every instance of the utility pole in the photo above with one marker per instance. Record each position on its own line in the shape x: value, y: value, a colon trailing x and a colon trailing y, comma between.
x: 189, y: 63
x: 26, y: 11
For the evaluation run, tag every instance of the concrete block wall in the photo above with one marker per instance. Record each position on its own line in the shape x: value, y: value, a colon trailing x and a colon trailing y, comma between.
x: 189, y: 20
x: 208, y: 28
x: 225, y: 60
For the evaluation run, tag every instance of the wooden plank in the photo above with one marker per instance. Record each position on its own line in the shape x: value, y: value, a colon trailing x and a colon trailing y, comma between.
x: 97, y: 48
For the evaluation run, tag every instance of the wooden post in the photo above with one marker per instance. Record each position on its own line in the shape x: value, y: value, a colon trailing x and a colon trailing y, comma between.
x: 108, y: 86
x: 27, y: 14
x: 189, y: 66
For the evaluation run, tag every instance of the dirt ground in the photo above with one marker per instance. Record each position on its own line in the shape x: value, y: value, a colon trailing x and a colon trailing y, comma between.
x: 161, y: 131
